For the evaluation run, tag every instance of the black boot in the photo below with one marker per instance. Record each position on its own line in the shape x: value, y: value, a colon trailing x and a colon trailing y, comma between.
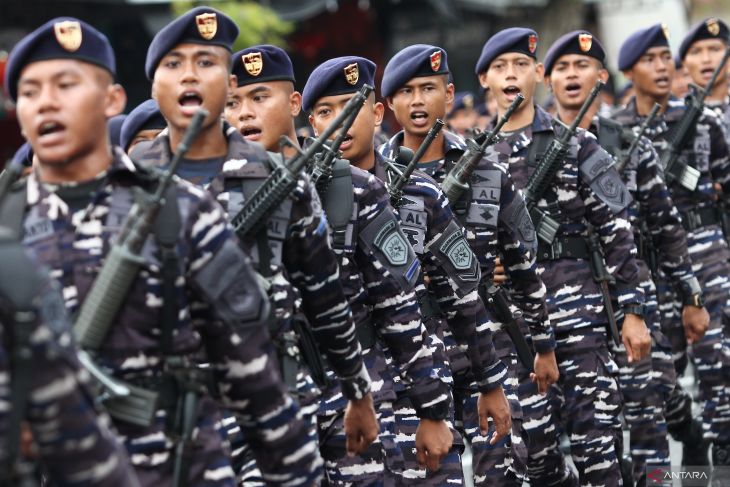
x: 721, y: 455
x: 694, y: 447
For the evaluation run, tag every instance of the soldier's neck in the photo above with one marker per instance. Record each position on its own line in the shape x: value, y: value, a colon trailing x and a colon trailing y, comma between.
x: 719, y: 92
x: 210, y: 143
x: 521, y: 118
x: 367, y: 162
x: 79, y: 169
x: 435, y: 151
x: 645, y: 102
x: 568, y: 115
x: 289, y: 151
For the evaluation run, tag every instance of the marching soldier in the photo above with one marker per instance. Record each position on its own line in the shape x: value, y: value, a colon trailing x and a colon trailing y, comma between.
x: 573, y: 64
x: 451, y: 308
x: 194, y: 294
x: 702, y: 166
x: 417, y: 90
x: 184, y: 73
x: 584, y: 191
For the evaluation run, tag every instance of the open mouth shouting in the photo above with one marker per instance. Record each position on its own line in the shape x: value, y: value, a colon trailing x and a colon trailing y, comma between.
x: 662, y: 82
x: 251, y: 133
x: 50, y: 132
x: 511, y: 92
x: 572, y: 90
x: 419, y: 118
x: 189, y: 102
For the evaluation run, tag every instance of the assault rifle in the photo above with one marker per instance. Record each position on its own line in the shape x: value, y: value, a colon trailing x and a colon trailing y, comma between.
x: 400, y: 178
x: 684, y: 130
x: 457, y: 181
x: 283, y: 179
x: 546, y: 226
x: 603, y: 278
x: 635, y: 143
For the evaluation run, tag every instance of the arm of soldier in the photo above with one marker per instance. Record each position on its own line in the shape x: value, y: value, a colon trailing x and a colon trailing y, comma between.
x: 312, y: 267
x: 719, y: 154
x: 75, y: 443
x: 231, y: 309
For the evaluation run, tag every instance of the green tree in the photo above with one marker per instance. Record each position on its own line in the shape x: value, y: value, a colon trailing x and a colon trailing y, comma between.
x: 258, y: 24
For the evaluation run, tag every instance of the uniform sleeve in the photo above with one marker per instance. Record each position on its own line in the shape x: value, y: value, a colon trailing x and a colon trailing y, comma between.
x: 313, y: 269
x: 719, y: 157
x: 396, y: 314
x: 614, y: 230
x: 518, y: 242
x: 75, y: 443
x: 242, y: 357
x: 455, y: 286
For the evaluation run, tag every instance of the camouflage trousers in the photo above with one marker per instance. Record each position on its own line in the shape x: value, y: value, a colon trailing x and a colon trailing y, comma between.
x: 503, y: 464
x: 406, y: 424
x: 645, y: 387
x: 585, y: 404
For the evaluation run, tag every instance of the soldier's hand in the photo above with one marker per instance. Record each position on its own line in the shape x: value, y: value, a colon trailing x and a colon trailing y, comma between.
x: 494, y: 403
x: 433, y: 442
x: 696, y: 321
x: 499, y: 276
x: 546, y: 371
x: 27, y: 447
x: 361, y: 426
x: 636, y: 338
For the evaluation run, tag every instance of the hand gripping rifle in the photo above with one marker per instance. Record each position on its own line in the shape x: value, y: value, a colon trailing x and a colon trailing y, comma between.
x: 680, y: 136
x: 400, y: 178
x: 457, y: 181
x: 546, y: 169
x: 635, y: 143
x: 283, y: 179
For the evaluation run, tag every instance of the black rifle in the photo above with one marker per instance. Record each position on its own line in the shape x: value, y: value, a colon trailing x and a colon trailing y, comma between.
x: 457, y: 181
x: 398, y: 178
x: 604, y: 279
x: 635, y: 143
x: 545, y: 225
x: 283, y: 179
x: 684, y: 130
x: 500, y: 303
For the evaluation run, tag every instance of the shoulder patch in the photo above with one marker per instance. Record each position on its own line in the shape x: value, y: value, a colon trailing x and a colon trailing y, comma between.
x: 517, y: 218
x: 599, y: 173
x: 457, y: 258
x: 392, y: 243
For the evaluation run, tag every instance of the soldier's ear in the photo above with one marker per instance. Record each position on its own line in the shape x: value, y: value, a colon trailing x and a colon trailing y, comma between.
x: 450, y: 93
x: 379, y: 111
x: 548, y: 85
x: 311, y: 124
x: 116, y: 100
x: 232, y: 83
x: 603, y: 75
x: 389, y: 101
x: 540, y: 70
x: 295, y: 104
x: 483, y: 79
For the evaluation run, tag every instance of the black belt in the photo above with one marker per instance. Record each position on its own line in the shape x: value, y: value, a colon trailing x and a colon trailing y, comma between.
x: 695, y: 219
x: 563, y: 248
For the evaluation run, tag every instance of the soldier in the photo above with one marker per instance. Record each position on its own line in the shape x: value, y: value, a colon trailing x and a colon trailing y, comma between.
x: 70, y: 211
x: 646, y: 60
x: 416, y: 88
x: 573, y: 64
x: 584, y: 192
x: 45, y: 386
x: 143, y: 123
x: 462, y: 116
x: 452, y: 269
x: 297, y: 227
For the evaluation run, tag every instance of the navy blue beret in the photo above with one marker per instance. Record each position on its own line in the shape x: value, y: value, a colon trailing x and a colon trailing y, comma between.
x: 336, y: 77
x: 145, y: 116
x: 114, y: 126
x: 462, y: 100
x: 514, y: 39
x: 201, y: 25
x: 711, y: 28
x: 576, y: 42
x: 259, y: 64
x: 639, y: 42
x: 413, y: 62
x: 24, y: 155
x: 60, y: 38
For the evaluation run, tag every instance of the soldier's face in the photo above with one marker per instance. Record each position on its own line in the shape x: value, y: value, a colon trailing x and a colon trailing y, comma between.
x: 702, y: 58
x: 263, y: 112
x: 463, y: 120
x: 63, y: 106
x: 192, y: 76
x: 509, y: 74
x: 573, y: 77
x: 142, y: 136
x: 418, y: 103
x: 359, y: 140
x: 652, y: 74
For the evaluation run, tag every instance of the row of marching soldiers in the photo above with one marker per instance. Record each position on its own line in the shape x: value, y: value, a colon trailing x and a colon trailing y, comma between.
x: 212, y: 301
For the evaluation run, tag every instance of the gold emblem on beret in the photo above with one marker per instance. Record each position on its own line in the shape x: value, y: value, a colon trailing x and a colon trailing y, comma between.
x: 665, y: 29
x: 468, y: 101
x: 352, y: 73
x: 436, y: 61
x: 253, y: 62
x: 207, y: 25
x: 585, y: 42
x: 68, y: 34
x: 713, y: 27
x: 532, y: 43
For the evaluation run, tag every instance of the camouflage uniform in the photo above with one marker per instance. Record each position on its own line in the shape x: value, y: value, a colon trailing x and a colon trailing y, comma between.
x: 491, y: 231
x: 585, y: 400
x: 75, y: 445
x: 648, y: 385
x: 297, y: 228
x: 378, y: 281
x: 221, y: 312
x: 451, y: 307
x: 707, y: 249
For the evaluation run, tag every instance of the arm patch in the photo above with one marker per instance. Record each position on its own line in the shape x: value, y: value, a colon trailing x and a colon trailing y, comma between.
x: 457, y: 258
x: 598, y: 172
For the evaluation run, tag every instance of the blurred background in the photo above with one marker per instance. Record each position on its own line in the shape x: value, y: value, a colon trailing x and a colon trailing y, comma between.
x: 315, y: 30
